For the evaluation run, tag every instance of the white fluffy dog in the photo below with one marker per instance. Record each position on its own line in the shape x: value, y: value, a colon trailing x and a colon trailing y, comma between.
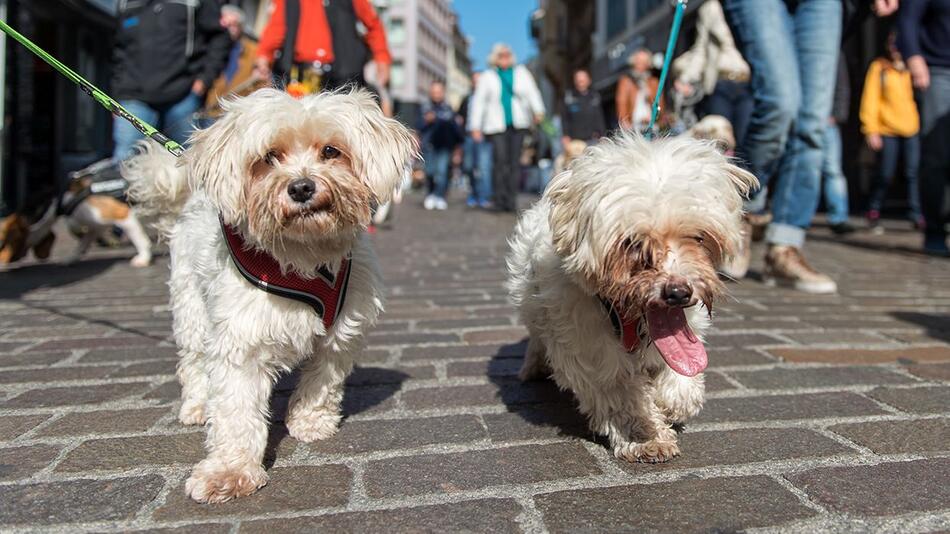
x: 286, y: 182
x: 614, y: 272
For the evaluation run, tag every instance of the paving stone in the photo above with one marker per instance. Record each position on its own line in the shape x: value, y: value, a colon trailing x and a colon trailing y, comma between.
x: 168, y: 392
x: 817, y: 377
x: 7, y: 346
x: 357, y: 437
x: 34, y: 358
x: 843, y: 355
x: 197, y: 528
x: 742, y: 340
x: 125, y: 453
x: 13, y: 426
x: 23, y: 462
x: 899, y: 437
x: 155, y: 368
x: 55, y: 374
x: 500, y: 335
x: 487, y: 515
x: 537, y: 422
x: 716, y: 382
x: 410, y: 338
x: 506, y: 393
x: 743, y: 446
x: 77, y: 500
x: 97, y: 342
x: 455, y: 324
x: 735, y: 356
x: 486, y: 351
x: 97, y: 355
x: 451, y: 473
x: 289, y: 489
x: 103, y: 422
x: 373, y: 356
x: 915, y: 400
x: 931, y: 371
x: 72, y: 395
x: 368, y: 376
x: 883, y: 489
x: 496, y: 367
x: 711, y: 505
x: 369, y: 399
x: 779, y: 407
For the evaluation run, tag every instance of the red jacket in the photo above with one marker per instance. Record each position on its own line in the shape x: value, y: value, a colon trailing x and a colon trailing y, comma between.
x: 314, y: 42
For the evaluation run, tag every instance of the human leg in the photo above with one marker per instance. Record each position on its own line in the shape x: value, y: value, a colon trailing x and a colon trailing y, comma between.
x: 124, y: 135
x: 178, y: 119
x: 835, y: 184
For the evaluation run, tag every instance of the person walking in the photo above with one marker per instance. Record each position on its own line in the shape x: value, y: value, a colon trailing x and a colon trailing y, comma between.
x: 238, y: 77
x: 923, y: 38
x: 582, y: 115
x: 506, y: 103
x: 440, y: 134
x: 476, y: 157
x: 166, y: 55
x: 636, y: 90
x: 835, y: 184
x: 714, y: 66
x: 792, y: 48
x: 323, y: 35
x: 890, y: 124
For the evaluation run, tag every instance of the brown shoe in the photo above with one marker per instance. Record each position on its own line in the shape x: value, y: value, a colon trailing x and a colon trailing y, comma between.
x: 759, y: 222
x: 737, y: 266
x: 786, y: 266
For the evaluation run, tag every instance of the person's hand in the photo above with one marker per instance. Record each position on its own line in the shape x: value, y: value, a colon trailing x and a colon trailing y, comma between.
x: 919, y: 72
x: 538, y: 117
x: 198, y: 87
x: 565, y: 140
x: 477, y: 136
x: 382, y: 74
x: 884, y: 8
x: 874, y: 142
x: 429, y: 117
x: 262, y: 68
x: 683, y: 88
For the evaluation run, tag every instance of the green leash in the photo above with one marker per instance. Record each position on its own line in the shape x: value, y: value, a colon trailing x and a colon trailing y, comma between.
x: 667, y: 60
x: 105, y: 100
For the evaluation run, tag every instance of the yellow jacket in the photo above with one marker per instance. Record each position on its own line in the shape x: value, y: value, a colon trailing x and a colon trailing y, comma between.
x: 887, y: 104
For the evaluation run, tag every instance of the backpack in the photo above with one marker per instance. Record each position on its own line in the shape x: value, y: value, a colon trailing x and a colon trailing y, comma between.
x: 350, y: 53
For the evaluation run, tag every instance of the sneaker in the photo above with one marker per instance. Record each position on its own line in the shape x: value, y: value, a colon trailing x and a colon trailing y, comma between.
x: 786, y: 266
x: 842, y: 228
x: 936, y: 246
x: 429, y: 202
x: 919, y: 223
x: 737, y: 266
x: 472, y: 203
x: 874, y: 222
x: 441, y: 204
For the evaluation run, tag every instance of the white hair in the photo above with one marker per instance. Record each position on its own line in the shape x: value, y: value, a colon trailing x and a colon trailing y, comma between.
x: 234, y: 10
x: 496, y: 51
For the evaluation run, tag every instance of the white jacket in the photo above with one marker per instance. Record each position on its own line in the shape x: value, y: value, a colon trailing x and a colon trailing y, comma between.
x: 486, y: 113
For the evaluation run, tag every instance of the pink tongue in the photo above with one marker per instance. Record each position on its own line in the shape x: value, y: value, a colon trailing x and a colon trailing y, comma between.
x: 681, y: 350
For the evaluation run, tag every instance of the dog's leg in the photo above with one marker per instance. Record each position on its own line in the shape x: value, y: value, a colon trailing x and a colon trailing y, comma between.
x: 143, y: 246
x: 190, y: 327
x: 237, y: 434
x: 535, y: 365
x: 314, y: 409
x: 84, y: 243
x: 678, y: 397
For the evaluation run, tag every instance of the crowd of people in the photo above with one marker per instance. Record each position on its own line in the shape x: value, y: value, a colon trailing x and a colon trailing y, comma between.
x: 771, y: 68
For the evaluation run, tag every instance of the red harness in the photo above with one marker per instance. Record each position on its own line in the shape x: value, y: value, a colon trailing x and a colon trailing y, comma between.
x: 325, y: 292
x: 627, y: 330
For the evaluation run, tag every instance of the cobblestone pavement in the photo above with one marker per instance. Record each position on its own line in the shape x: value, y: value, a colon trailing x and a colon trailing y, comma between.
x: 823, y: 413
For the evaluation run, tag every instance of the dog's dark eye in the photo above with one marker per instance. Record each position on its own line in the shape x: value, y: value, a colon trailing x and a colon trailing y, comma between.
x: 699, y: 239
x: 330, y: 152
x: 271, y: 158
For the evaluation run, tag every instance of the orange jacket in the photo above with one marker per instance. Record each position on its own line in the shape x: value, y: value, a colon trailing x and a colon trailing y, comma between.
x: 314, y: 41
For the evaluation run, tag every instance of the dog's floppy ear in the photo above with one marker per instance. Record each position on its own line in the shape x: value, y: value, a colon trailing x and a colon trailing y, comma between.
x: 744, y: 181
x: 216, y: 164
x: 385, y: 147
x: 570, y: 225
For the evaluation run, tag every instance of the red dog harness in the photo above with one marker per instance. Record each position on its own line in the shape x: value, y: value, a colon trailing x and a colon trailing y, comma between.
x: 325, y: 292
x: 627, y: 330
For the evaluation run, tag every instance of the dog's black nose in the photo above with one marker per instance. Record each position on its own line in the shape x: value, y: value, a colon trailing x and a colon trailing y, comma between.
x: 301, y: 189
x: 677, y: 293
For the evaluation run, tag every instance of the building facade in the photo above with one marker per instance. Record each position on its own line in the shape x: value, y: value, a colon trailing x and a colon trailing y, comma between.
x: 458, y: 81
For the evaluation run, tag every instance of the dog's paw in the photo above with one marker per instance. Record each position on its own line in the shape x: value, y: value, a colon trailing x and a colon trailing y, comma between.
x: 312, y: 425
x: 192, y: 413
x: 140, y: 261
x: 211, y: 482
x: 654, y: 451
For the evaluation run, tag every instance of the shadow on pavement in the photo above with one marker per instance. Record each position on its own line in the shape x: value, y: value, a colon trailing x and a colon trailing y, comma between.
x: 937, y: 325
x: 17, y: 281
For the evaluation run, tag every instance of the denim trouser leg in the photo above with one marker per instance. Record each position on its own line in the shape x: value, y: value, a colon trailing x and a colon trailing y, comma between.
x: 440, y: 160
x: 835, y: 184
x: 935, y: 155
x: 483, y: 160
x: 911, y: 154
x: 178, y: 119
x: 124, y: 135
x: 468, y: 168
x: 888, y: 159
x: 174, y: 120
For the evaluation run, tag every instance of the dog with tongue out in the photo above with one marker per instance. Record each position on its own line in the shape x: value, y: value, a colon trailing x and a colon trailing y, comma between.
x: 614, y: 272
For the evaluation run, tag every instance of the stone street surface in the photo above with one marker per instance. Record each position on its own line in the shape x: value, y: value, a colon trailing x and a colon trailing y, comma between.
x: 823, y: 412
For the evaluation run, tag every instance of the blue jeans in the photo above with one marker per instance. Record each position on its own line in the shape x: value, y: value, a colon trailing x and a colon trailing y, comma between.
x: 732, y: 100
x: 477, y: 164
x: 438, y: 162
x: 891, y: 151
x: 835, y: 184
x: 175, y: 120
x: 935, y: 160
x: 793, y: 55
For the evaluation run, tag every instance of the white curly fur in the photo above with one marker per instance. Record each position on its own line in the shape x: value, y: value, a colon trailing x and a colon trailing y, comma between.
x: 665, y: 192
x: 233, y: 338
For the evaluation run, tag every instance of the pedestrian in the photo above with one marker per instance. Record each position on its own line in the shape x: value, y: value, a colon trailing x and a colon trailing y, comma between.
x: 890, y: 124
x: 582, y: 115
x: 715, y: 67
x: 476, y: 157
x: 166, y: 55
x: 308, y: 38
x: 923, y: 38
x: 238, y: 77
x: 440, y: 134
x: 636, y: 90
x: 506, y: 104
x: 792, y: 48
x: 835, y: 184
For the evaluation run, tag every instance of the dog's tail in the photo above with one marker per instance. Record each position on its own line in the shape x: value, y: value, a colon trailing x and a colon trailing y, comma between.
x: 158, y: 185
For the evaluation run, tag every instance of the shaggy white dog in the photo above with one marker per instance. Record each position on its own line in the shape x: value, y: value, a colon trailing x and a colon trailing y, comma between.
x: 292, y: 180
x: 614, y: 272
